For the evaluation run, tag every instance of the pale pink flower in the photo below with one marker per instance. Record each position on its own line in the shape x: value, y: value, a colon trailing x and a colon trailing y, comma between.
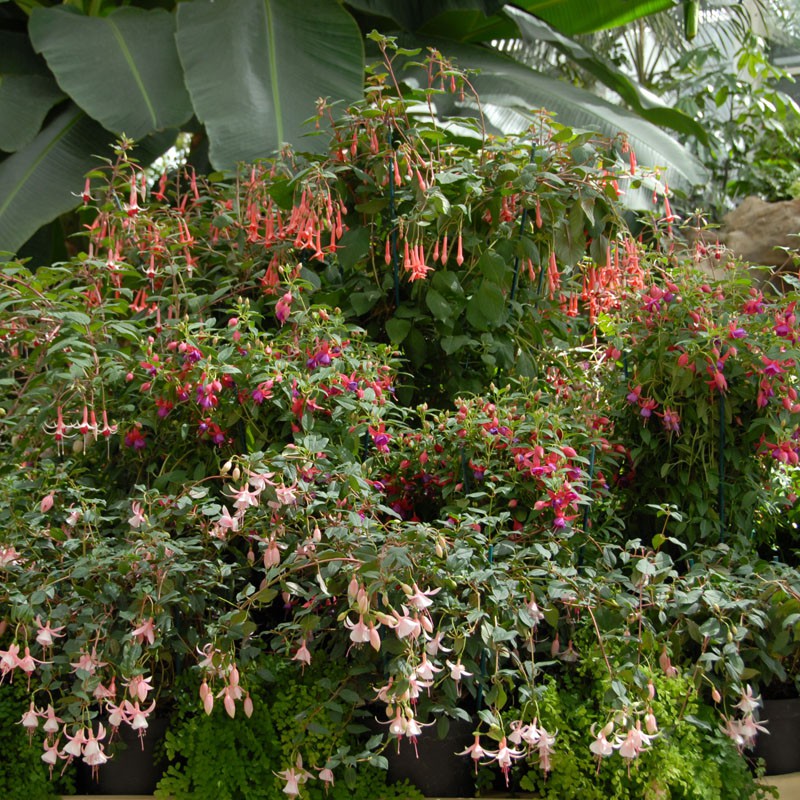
x: 285, y: 495
x: 326, y: 776
x: 634, y: 742
x: 457, y: 671
x: 601, y: 747
x: 260, y: 481
x: 50, y: 755
x: 47, y: 503
x: 374, y: 637
x: 425, y: 670
x: 474, y: 751
x: 504, y: 756
x: 245, y: 498
x: 138, y: 518
x: 227, y: 522
x: 8, y: 556
x: 650, y: 723
x: 247, y: 706
x: 45, y: 635
x: 406, y: 625
x: 419, y: 599
x: 294, y: 777
x: 137, y: 717
x: 9, y: 659
x: 30, y: 721
x: 748, y: 702
x: 88, y: 663
x: 359, y: 632
x: 28, y: 663
x: 545, y: 747
x: 74, y: 746
x: 145, y: 632
x: 139, y: 687
x: 435, y: 646
x: 534, y: 612
x: 666, y: 664
x: 303, y: 654
x: 51, y: 721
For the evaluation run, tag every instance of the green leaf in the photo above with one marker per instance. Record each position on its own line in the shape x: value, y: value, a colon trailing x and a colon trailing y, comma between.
x: 27, y: 91
x: 438, y: 306
x: 644, y: 102
x: 122, y: 69
x: 584, y: 16
x: 255, y: 69
x: 41, y: 181
x: 397, y: 329
x: 488, y: 304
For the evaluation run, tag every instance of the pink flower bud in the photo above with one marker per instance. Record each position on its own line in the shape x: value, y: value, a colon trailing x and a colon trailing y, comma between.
x: 47, y: 503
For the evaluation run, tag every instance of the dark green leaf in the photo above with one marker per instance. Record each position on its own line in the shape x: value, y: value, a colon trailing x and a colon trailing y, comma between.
x: 122, y: 69
x: 279, y: 56
x: 41, y: 181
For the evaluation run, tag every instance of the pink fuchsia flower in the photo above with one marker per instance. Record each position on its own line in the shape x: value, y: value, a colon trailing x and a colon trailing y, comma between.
x: 226, y: 522
x: 435, y: 646
x: 284, y: 307
x: 139, y: 687
x: 137, y: 717
x: 666, y: 664
x: 601, y: 747
x: 45, y: 635
x: 294, y: 776
x: 420, y: 599
x: 88, y: 663
x: 380, y: 438
x: 326, y: 776
x: 30, y: 721
x: 50, y: 755
x: 47, y: 503
x: 425, y: 670
x: 474, y: 751
x: 359, y: 632
x: 406, y: 626
x: 74, y: 746
x: 137, y: 518
x: 634, y: 742
x: 244, y: 498
x: 51, y: 721
x: 146, y: 632
x: 505, y: 756
x: 748, y: 702
x: 457, y: 672
x: 545, y: 747
x: 303, y: 654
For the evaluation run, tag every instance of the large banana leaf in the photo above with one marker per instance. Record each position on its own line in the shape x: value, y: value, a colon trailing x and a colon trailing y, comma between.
x: 255, y: 69
x: 41, y: 181
x: 510, y: 93
x: 27, y: 91
x: 479, y: 20
x: 122, y: 69
x: 411, y: 15
x: 645, y: 103
x: 584, y: 16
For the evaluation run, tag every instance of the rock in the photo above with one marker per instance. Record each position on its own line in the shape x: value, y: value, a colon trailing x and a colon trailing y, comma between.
x: 756, y: 231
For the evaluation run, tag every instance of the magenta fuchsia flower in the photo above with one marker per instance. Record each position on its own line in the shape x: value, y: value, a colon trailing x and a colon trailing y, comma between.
x: 284, y: 307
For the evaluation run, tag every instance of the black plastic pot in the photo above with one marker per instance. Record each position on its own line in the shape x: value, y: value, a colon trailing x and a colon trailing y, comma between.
x: 780, y: 749
x: 434, y: 768
x: 132, y: 769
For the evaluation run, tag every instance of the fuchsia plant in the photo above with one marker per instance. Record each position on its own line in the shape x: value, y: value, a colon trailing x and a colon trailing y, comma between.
x: 218, y: 453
